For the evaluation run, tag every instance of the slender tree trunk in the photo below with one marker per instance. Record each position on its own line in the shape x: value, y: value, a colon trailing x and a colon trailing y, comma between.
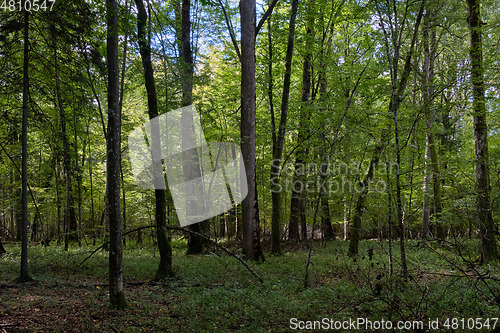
x: 399, y: 204
x: 279, y: 143
x: 122, y: 91
x: 483, y: 191
x: 360, y: 203
x: 24, y: 276
x: 346, y: 218
x: 57, y: 173
x: 195, y: 243
x: 426, y: 203
x: 18, y: 206
x: 326, y: 223
x: 78, y: 177
x: 2, y: 249
x: 326, y: 226
x: 429, y: 41
x: 124, y: 203
x: 92, y: 210
x: 165, y: 265
x: 297, y: 202
x: 397, y: 96
x: 235, y: 227
x: 70, y: 223
x: 250, y: 221
x: 389, y: 199
x: 113, y: 143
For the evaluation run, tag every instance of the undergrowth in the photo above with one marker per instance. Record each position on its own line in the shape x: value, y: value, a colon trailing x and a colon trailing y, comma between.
x: 214, y: 292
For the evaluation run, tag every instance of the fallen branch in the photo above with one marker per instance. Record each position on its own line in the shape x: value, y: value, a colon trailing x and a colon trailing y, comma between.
x: 243, y: 262
x: 9, y: 325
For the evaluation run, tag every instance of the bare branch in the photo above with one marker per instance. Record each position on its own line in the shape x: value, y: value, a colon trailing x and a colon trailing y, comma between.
x: 231, y: 30
x: 234, y: 255
x: 266, y: 15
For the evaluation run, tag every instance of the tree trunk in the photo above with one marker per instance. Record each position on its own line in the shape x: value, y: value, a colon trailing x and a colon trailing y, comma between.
x: 429, y: 40
x: 399, y: 204
x: 397, y: 95
x: 278, y: 144
x: 326, y: 226
x: 251, y: 229
x: 346, y: 218
x: 122, y: 91
x: 326, y: 223
x: 92, y: 210
x: 483, y: 198
x: 58, y: 199
x: 24, y: 276
x: 195, y: 243
x: 297, y: 203
x: 360, y: 203
x: 389, y: 224
x: 78, y: 177
x: 70, y: 224
x: 18, y: 205
x: 2, y: 249
x: 113, y: 143
x: 24, y: 156
x: 426, y: 203
x: 165, y: 265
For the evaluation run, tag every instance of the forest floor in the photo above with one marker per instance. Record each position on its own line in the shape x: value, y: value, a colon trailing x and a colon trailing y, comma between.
x: 214, y: 292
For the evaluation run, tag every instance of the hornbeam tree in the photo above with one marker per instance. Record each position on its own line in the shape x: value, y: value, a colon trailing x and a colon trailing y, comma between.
x: 113, y: 149
x: 489, y: 249
x: 249, y: 213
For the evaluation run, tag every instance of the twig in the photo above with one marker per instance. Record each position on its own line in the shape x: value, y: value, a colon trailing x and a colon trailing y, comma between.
x: 266, y: 15
x: 8, y: 325
x: 231, y: 30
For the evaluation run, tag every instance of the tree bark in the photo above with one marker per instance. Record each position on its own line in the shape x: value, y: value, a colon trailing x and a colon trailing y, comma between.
x: 426, y: 203
x: 360, y: 203
x: 70, y: 224
x: 165, y: 266
x: 326, y: 223
x: 278, y: 144
x: 2, y: 249
x: 113, y: 143
x: 17, y: 193
x: 122, y: 91
x: 24, y: 276
x: 489, y: 249
x: 195, y: 244
x: 429, y: 41
x: 251, y: 229
x: 297, y: 202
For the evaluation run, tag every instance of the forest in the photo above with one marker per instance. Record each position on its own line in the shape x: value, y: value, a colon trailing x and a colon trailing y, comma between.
x: 254, y: 166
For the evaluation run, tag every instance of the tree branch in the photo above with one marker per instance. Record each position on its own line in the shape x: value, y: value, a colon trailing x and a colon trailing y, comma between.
x: 266, y: 15
x: 243, y: 262
x: 231, y: 30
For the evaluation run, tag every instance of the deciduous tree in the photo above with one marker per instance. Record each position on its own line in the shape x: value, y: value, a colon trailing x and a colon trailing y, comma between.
x: 113, y: 146
x: 483, y: 198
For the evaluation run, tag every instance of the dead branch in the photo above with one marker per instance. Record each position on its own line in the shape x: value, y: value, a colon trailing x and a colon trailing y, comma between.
x: 234, y: 255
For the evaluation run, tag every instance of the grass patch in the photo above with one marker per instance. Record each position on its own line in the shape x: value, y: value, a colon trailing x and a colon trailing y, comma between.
x: 214, y: 292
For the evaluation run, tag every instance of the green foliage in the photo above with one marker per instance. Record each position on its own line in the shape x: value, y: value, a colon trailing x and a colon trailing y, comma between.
x: 214, y: 292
